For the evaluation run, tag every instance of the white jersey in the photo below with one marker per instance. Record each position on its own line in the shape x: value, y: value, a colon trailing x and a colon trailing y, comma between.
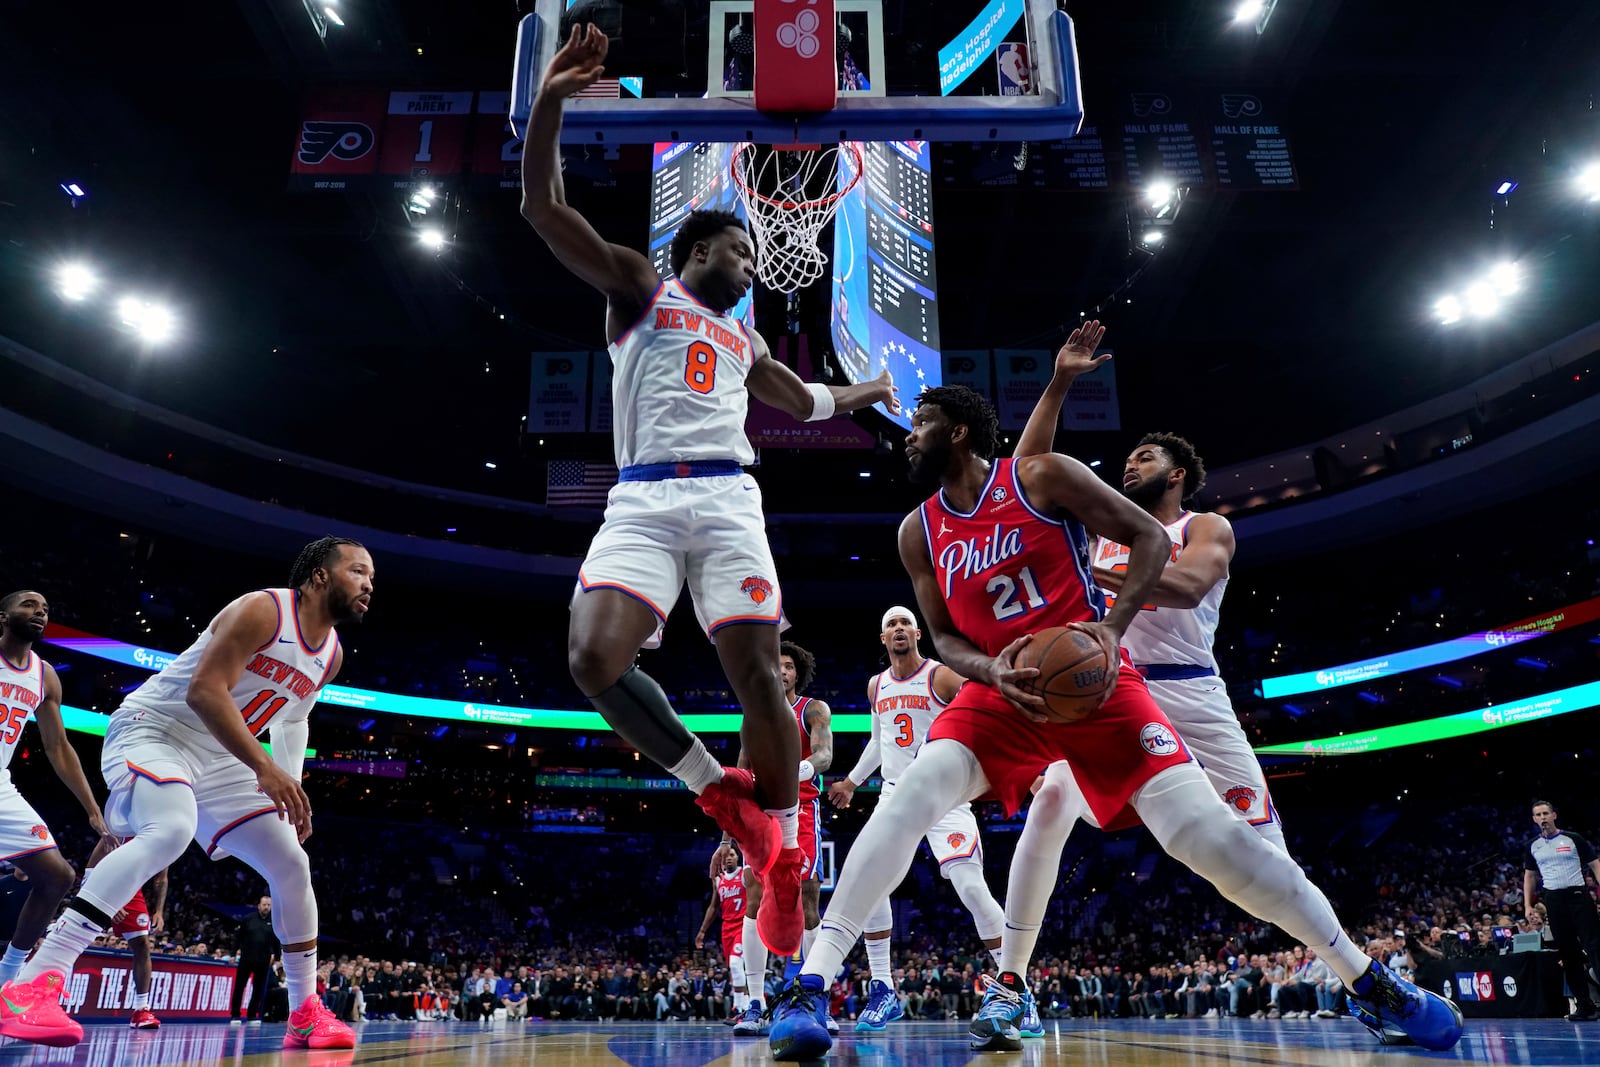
x: 1178, y: 636
x: 21, y: 689
x: 279, y: 684
x: 905, y: 708
x: 677, y: 383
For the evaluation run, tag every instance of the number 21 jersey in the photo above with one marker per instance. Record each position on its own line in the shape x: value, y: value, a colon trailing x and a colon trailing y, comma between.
x: 677, y: 383
x: 1005, y: 569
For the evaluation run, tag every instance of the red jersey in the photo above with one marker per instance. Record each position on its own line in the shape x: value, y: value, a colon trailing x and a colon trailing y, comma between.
x: 1005, y: 569
x: 811, y: 788
x: 730, y: 891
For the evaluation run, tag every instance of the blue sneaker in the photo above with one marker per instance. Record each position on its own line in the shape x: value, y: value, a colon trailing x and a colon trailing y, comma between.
x: 1386, y: 1035
x: 994, y: 1028
x: 753, y: 1023
x: 1030, y: 1025
x: 883, y: 1008
x: 1426, y: 1018
x: 799, y: 1031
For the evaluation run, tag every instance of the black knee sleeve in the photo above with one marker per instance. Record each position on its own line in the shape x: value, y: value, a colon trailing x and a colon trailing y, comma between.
x: 90, y: 912
x: 637, y: 709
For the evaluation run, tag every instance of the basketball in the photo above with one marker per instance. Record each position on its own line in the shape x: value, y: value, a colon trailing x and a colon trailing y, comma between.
x: 1073, y: 672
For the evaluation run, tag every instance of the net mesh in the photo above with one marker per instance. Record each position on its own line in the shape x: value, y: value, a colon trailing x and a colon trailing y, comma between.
x: 790, y: 196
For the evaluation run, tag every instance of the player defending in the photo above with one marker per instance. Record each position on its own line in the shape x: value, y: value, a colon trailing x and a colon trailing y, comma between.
x: 135, y: 922
x: 1172, y: 638
x: 728, y: 901
x: 683, y: 368
x: 33, y: 690
x: 904, y: 700
x: 998, y: 553
x: 182, y: 762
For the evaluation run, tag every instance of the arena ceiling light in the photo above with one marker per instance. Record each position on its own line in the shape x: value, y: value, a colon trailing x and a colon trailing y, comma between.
x: 432, y: 238
x: 1482, y: 297
x: 153, y: 322
x: 75, y: 281
x: 1589, y: 182
x: 332, y: 15
x: 1249, y: 11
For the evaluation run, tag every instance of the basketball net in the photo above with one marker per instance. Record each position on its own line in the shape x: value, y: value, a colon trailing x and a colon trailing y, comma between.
x: 790, y: 194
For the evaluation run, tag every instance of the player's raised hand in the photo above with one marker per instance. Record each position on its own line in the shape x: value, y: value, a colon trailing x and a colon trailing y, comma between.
x: 840, y: 793
x: 1007, y: 677
x: 578, y: 63
x: 719, y: 858
x: 891, y: 397
x: 286, y: 794
x: 1110, y: 642
x: 1077, y: 355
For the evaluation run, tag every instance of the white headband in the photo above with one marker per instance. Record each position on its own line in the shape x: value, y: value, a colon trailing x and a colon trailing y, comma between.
x: 892, y: 612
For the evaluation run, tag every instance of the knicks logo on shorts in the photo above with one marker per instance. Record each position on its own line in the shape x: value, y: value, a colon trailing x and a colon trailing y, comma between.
x: 1240, y: 798
x: 1158, y: 740
x: 956, y: 840
x: 756, y: 588
x: 40, y: 832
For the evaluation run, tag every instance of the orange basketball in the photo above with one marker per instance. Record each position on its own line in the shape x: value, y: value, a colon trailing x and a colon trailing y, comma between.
x: 1073, y: 672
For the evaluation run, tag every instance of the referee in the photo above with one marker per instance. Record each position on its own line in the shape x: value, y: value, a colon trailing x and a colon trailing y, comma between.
x: 1559, y: 858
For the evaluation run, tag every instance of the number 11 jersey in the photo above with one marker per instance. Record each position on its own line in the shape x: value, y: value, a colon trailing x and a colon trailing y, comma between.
x: 677, y: 383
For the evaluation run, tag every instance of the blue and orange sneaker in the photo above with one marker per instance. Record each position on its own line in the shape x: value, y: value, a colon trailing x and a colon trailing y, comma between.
x: 1384, y: 1001
x: 799, y: 1029
x: 31, y: 1011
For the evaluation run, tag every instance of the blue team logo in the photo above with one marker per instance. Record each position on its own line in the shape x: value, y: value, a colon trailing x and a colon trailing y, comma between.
x: 1158, y: 740
x: 999, y: 494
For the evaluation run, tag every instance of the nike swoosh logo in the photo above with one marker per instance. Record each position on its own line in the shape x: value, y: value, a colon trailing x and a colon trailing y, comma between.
x: 285, y: 641
x: 11, y: 1005
x: 749, y: 488
x: 304, y: 1030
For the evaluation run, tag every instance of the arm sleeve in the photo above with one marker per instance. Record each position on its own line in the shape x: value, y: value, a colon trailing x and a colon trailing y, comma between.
x: 1585, y: 850
x: 289, y: 746
x: 871, y: 757
x: 1528, y: 862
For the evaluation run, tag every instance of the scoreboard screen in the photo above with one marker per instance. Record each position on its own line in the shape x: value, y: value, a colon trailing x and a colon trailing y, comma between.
x: 688, y: 176
x: 885, y: 305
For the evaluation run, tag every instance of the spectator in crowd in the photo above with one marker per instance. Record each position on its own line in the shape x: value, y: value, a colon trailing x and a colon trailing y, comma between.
x: 258, y: 948
x: 515, y: 1002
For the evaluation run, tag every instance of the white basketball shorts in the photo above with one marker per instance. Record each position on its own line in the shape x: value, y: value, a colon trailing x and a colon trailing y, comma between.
x: 21, y: 830
x: 1204, y: 716
x: 708, y: 532
x: 954, y: 838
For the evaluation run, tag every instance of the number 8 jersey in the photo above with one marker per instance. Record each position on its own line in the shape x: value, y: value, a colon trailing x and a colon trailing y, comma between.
x: 1005, y: 569
x: 677, y: 383
x: 279, y: 684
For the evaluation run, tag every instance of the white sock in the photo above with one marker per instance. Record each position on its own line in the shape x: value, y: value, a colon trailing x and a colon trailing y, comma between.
x: 740, y: 1002
x: 997, y: 954
x: 807, y: 939
x: 11, y: 963
x: 788, y: 823
x: 755, y: 961
x: 878, y: 960
x: 300, y: 975
x: 63, y: 943
x: 141, y: 1001
x: 697, y: 769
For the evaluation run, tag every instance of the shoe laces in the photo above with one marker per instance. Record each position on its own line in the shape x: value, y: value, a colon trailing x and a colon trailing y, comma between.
x: 796, y: 996
x: 1387, y: 996
x: 998, y: 1001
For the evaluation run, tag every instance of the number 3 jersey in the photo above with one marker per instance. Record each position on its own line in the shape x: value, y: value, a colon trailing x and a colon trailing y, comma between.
x: 21, y: 690
x: 1006, y: 569
x: 279, y: 684
x: 677, y: 383
x: 905, y: 708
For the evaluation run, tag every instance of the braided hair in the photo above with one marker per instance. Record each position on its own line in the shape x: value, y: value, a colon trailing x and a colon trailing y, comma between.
x: 315, y: 555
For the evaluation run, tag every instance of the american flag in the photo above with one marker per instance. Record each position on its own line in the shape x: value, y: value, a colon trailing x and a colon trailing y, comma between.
x: 578, y: 484
x: 601, y: 89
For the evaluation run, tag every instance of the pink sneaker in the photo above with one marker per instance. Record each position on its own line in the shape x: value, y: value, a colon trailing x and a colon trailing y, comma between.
x: 144, y: 1019
x: 311, y: 1025
x: 31, y: 1011
x: 731, y: 802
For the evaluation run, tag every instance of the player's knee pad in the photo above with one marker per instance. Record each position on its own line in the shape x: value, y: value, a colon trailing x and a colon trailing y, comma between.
x: 882, y: 917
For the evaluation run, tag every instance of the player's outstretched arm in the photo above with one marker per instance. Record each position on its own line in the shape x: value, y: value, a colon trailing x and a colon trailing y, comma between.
x: 1075, y: 357
x: 63, y: 757
x: 960, y: 654
x: 773, y: 383
x: 625, y: 276
x: 1207, y: 552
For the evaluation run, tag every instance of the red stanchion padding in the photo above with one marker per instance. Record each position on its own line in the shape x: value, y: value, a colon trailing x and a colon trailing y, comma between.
x: 796, y: 68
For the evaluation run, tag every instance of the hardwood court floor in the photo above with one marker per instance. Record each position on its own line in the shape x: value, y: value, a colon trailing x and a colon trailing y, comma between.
x: 1199, y: 1043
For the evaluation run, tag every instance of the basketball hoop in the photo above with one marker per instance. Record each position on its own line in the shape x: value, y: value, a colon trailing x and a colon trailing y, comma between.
x: 790, y: 194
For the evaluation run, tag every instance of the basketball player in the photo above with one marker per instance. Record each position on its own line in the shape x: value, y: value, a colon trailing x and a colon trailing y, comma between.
x: 134, y: 923
x: 998, y: 553
x: 683, y: 370
x: 30, y: 688
x: 182, y: 762
x: 1172, y: 638
x: 728, y: 899
x: 904, y: 700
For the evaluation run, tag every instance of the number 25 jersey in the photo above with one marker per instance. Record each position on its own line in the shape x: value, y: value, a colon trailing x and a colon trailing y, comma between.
x: 1005, y: 569
x: 677, y: 383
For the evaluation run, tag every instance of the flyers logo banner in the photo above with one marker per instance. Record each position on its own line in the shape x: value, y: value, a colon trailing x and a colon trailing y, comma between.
x: 347, y: 141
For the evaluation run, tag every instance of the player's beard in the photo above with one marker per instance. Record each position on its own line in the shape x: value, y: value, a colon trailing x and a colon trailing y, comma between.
x: 342, y: 606
x: 1146, y: 492
x: 927, y: 467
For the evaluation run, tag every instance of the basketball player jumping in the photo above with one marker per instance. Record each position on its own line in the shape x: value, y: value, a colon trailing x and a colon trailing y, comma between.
x: 183, y: 763
x: 30, y: 688
x: 1000, y: 552
x: 905, y: 700
x: 1171, y: 640
x: 683, y: 370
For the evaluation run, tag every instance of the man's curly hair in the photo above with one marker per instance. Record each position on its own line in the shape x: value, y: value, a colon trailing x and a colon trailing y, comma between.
x: 967, y: 407
x: 1183, y: 455
x: 805, y: 665
x: 699, y: 226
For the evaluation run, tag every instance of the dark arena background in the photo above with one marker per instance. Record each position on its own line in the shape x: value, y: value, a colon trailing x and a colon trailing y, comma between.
x: 263, y: 277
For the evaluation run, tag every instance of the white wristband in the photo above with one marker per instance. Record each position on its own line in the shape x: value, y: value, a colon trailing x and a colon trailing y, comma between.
x: 822, y: 406
x: 807, y: 772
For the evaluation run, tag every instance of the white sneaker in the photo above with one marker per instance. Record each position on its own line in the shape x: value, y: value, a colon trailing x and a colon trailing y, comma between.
x: 235, y: 1022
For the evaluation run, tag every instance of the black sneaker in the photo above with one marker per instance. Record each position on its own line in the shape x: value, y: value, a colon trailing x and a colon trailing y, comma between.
x: 1583, y: 1015
x: 994, y: 1027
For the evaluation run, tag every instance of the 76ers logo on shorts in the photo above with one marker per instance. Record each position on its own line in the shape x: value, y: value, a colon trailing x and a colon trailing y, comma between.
x: 1158, y: 739
x: 1240, y: 798
x: 956, y: 840
x: 756, y: 588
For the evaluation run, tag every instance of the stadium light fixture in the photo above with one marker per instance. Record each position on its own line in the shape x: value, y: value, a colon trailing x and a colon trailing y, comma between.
x: 1154, y: 237
x: 154, y: 323
x: 1448, y: 308
x: 1249, y: 11
x: 75, y: 281
x: 1589, y: 181
x: 1506, y: 188
x: 74, y: 190
x: 1481, y: 299
x: 1159, y: 193
x: 1506, y: 277
x: 332, y: 15
x: 432, y: 238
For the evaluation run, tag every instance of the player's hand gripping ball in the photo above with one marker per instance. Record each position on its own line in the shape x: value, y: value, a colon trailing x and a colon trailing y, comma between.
x: 1074, y: 673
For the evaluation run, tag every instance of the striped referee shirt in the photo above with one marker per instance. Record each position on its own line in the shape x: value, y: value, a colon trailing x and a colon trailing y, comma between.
x: 1560, y: 860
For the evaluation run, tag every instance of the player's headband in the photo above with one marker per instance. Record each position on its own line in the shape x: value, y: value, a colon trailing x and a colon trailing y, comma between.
x: 894, y: 611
